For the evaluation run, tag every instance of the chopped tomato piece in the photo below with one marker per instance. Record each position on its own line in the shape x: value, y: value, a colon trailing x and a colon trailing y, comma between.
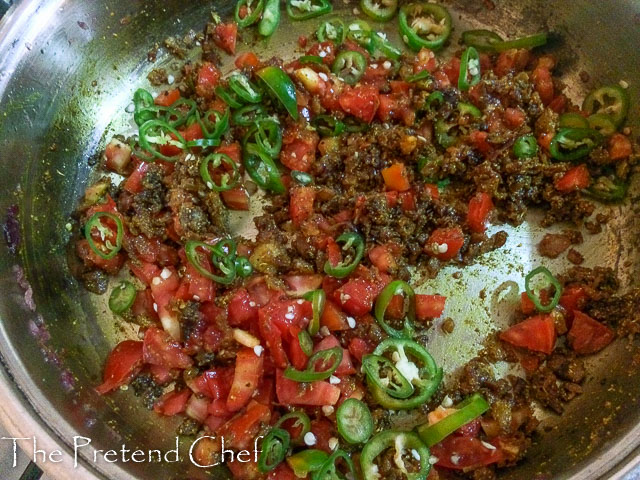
x: 576, y: 178
x: 619, y: 147
x: 425, y: 60
x: 465, y: 453
x: 396, y: 177
x: 429, y: 306
x: 91, y: 259
x: 298, y: 285
x: 346, y: 365
x: 325, y: 50
x: 573, y: 298
x: 480, y: 206
x: 382, y: 257
x: 297, y: 357
x: 133, y: 183
x: 511, y: 61
x: 323, y: 430
x: 543, y: 84
x: 208, y: 77
x: 526, y: 305
x: 241, y: 430
x: 172, y: 403
x: 123, y: 363
x: 236, y: 198
x: 333, y: 317
x: 514, y: 117
x: 167, y: 98
x: 359, y: 348
x: 301, y: 204
x: 249, y: 370
x: 445, y: 243
x: 558, y: 104
x: 164, y: 286
x: 362, y: 102
x: 299, y: 148
x: 479, y: 141
x: 117, y: 156
x: 356, y: 296
x: 225, y: 35
x: 247, y: 60
x: 160, y: 349
x: 145, y: 271
x: 318, y: 394
x: 536, y: 333
x: 242, y: 309
x: 452, y: 70
x: 282, y: 472
x: 588, y: 335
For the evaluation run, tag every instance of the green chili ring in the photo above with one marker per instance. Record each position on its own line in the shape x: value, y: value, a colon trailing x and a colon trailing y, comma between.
x: 95, y: 222
x: 333, y: 30
x: 328, y: 126
x: 396, y: 385
x: 214, y: 130
x: 379, y: 12
x: 354, y: 421
x: 262, y: 169
x: 310, y: 374
x: 572, y: 120
x: 318, y: 300
x: 469, y: 65
x: 301, y: 420
x: 396, y: 287
x: 243, y: 267
x: 612, y: 100
x: 250, y: 18
x: 329, y: 469
x: 537, y: 40
x: 155, y: 132
x: 248, y: 115
x: 571, y: 144
x: 224, y: 261
x: 274, y: 448
x: 299, y: 10
x: 270, y: 18
x: 349, y: 240
x: 608, y: 189
x: 393, y: 439
x: 534, y: 298
x: 227, y: 96
x: 481, y: 40
x: 244, y: 88
x: 122, y: 297
x: 525, y: 146
x: 349, y: 66
x: 439, y: 29
x: 281, y: 87
x: 603, y: 123
x: 303, y: 178
x: 228, y: 181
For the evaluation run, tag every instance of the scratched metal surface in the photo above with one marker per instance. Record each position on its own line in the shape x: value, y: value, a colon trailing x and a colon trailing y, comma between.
x: 68, y: 70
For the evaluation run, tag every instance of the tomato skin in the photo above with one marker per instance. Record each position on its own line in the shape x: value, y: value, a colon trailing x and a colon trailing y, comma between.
x: 396, y: 177
x: 315, y: 394
x: 429, y: 306
x: 236, y: 198
x: 333, y: 317
x: 480, y: 206
x: 535, y: 333
x: 346, y: 365
x: 123, y: 363
x: 241, y: 430
x: 225, y: 36
x: 362, y: 102
x: 619, y: 147
x: 514, y: 117
x: 301, y: 204
x: 167, y: 98
x: 208, y: 78
x: 382, y: 257
x: 469, y: 452
x: 526, y: 305
x: 299, y: 148
x: 160, y: 349
x: 356, y: 296
x: 359, y: 348
x: 511, y: 61
x: 296, y: 356
x: 587, y: 335
x: 543, y: 84
x: 91, y: 259
x: 452, y: 70
x: 248, y: 60
x: 242, y: 310
x: 576, y: 178
x: 479, y: 141
x: 172, y: 403
x: 249, y: 370
x: 573, y: 298
x: 452, y: 237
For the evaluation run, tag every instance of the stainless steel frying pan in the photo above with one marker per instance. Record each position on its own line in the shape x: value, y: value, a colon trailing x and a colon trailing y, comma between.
x: 68, y: 69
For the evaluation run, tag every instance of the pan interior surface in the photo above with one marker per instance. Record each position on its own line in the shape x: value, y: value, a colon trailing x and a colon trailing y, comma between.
x: 67, y: 75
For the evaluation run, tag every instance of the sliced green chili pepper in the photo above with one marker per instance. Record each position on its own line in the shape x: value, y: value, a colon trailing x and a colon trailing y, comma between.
x: 262, y: 169
x: 469, y: 109
x: 530, y: 42
x: 353, y: 125
x: 417, y: 77
x: 328, y: 126
x: 612, y: 100
x: 379, y: 11
x: 602, y: 123
x: 468, y: 410
x: 318, y: 299
x: 301, y: 420
x: 203, y: 143
x: 223, y: 258
x: 228, y: 97
x: 551, y: 280
x: 354, y: 421
x: 331, y: 357
x: 416, y: 365
x: 608, y: 188
x: 155, y: 133
x: 404, y: 443
x: 330, y: 468
x: 525, y: 146
x: 481, y: 40
x: 384, y: 374
x: 307, y: 461
x: 122, y: 297
x: 572, y: 120
x: 303, y: 178
x: 469, y: 66
x: 573, y: 143
x: 350, y: 240
x: 252, y: 14
x: 360, y: 32
x: 433, y: 98
x: 243, y: 267
x: 267, y: 135
x: 216, y: 128
x: 274, y: 448
x: 397, y: 287
x: 248, y: 115
x: 244, y: 89
x: 282, y: 87
x: 306, y: 9
x: 270, y: 18
x: 424, y: 25
x: 227, y: 180
x: 306, y: 343
x: 333, y: 30
x: 311, y: 59
x: 180, y: 112
x: 349, y: 66
x: 105, y: 232
x: 384, y: 46
x: 144, y: 107
x: 443, y: 137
